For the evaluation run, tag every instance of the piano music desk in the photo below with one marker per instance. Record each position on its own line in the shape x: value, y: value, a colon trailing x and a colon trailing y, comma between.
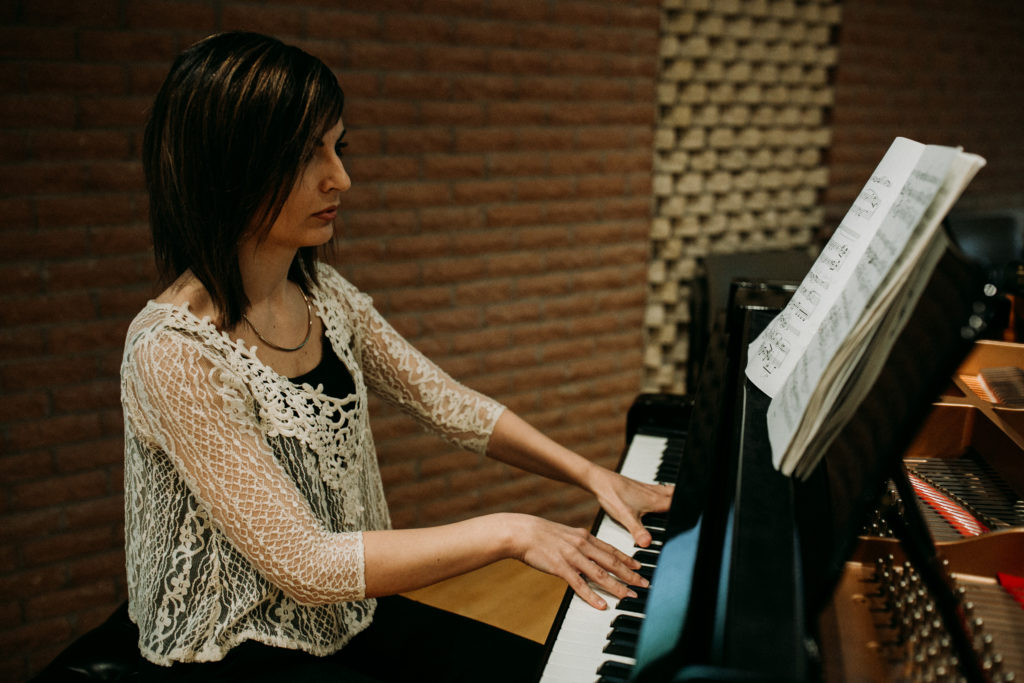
x: 506, y: 594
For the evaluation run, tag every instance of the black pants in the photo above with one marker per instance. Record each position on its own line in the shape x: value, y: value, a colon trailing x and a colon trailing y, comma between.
x: 407, y: 641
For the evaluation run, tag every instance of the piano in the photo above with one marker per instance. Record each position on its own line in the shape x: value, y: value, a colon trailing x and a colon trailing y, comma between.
x: 895, y: 559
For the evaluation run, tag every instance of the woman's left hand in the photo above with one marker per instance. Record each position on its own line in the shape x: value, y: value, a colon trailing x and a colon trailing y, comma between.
x: 627, y: 500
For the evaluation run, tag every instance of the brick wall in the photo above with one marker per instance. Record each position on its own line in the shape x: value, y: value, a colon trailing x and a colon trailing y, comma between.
x: 945, y: 72
x: 499, y: 217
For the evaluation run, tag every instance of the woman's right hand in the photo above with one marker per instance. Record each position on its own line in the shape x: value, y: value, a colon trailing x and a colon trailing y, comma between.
x: 574, y: 555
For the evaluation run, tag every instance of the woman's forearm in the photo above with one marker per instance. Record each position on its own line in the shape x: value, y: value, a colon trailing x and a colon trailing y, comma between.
x: 401, y: 560
x: 517, y: 443
x: 406, y: 559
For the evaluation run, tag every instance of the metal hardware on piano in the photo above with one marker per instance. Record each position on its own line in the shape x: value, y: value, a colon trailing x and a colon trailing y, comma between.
x: 758, y: 577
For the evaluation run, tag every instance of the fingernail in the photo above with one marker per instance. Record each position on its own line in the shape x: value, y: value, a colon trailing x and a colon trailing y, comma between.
x: 644, y: 582
x: 601, y: 604
x: 630, y: 594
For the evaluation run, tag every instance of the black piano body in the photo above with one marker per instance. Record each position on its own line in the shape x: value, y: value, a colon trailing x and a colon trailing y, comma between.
x: 766, y: 578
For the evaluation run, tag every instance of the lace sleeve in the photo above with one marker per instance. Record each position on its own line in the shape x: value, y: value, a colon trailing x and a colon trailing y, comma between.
x: 404, y: 377
x: 201, y: 416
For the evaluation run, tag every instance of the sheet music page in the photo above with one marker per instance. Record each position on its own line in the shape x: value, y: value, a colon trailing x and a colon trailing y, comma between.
x: 859, y: 360
x: 789, y: 358
x: 823, y: 299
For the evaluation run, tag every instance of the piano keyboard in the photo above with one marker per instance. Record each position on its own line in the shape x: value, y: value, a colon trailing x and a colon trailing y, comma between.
x: 597, y: 645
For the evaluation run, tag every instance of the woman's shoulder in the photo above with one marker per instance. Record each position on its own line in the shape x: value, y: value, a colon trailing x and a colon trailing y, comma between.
x: 178, y: 316
x: 188, y: 291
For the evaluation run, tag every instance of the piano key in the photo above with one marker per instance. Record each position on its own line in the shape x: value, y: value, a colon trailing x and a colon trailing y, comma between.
x: 577, y: 652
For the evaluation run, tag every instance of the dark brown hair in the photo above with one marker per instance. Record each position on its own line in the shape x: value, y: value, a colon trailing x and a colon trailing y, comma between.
x: 227, y: 137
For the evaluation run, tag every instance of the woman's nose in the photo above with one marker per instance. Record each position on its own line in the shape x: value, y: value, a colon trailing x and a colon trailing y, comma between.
x: 336, y: 179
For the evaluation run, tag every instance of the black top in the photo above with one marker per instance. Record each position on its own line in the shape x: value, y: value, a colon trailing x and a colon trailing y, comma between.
x: 330, y: 372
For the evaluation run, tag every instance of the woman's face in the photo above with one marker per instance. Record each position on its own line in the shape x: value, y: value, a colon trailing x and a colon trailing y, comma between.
x: 307, y: 217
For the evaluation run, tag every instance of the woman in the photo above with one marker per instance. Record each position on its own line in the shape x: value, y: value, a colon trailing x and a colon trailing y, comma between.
x: 254, y: 506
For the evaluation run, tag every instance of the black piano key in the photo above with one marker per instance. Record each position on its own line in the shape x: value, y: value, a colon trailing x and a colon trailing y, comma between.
x: 637, y: 604
x: 620, y: 648
x: 646, y: 571
x: 645, y: 556
x: 625, y: 634
x: 615, y: 671
x: 623, y: 645
x: 627, y: 621
x: 655, y: 519
x: 667, y: 473
x: 657, y: 535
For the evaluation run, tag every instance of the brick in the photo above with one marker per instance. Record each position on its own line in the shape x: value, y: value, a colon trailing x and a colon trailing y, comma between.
x: 37, y: 111
x: 279, y: 21
x: 456, y: 59
x: 554, y: 284
x: 164, y: 14
x: 128, y: 46
x: 420, y: 298
x: 511, y: 215
x: 84, y: 211
x: 484, y: 140
x: 32, y: 42
x: 477, y: 479
x: 99, y: 512
x: 538, y: 333
x: 397, y: 473
x: 551, y: 37
x: 545, y: 188
x: 417, y: 29
x: 20, y: 343
x: 61, y: 602
x: 451, y: 218
x: 64, y: 145
x: 483, y: 292
x: 58, y: 489
x: 80, y: 79
x: 455, y: 461
x: 430, y: 489
x: 483, y: 191
x: 404, y: 195
x: 109, y: 272
x: 378, y: 223
x: 35, y: 372
x: 27, y: 525
x: 108, y: 566
x: 102, y: 334
x: 518, y: 113
x: 342, y: 25
x: 34, y: 635
x: 90, y: 455
x: 46, y: 308
x: 501, y: 265
x: 26, y: 405
x: 475, y: 340
x: 67, y: 546
x: 449, y: 321
x: 483, y: 87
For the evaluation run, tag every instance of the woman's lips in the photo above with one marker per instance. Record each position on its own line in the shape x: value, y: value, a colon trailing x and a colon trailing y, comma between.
x: 328, y: 214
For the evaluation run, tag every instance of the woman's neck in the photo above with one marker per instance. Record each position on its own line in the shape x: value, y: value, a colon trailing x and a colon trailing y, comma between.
x: 264, y: 272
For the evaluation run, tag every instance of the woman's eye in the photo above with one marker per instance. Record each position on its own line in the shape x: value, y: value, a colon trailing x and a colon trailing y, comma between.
x: 339, y: 148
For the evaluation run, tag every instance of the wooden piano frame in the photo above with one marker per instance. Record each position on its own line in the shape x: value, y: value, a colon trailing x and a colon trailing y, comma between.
x: 959, y: 421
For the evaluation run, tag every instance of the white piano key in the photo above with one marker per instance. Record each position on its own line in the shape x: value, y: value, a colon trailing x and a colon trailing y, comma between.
x: 577, y: 652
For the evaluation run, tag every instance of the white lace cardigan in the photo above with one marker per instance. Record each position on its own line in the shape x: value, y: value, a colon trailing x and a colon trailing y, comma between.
x: 246, y: 495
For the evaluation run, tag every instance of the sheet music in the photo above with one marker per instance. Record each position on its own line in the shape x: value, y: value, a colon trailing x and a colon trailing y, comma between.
x: 789, y: 358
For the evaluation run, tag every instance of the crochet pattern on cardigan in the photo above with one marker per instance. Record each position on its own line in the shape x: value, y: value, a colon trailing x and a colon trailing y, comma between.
x: 246, y: 495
